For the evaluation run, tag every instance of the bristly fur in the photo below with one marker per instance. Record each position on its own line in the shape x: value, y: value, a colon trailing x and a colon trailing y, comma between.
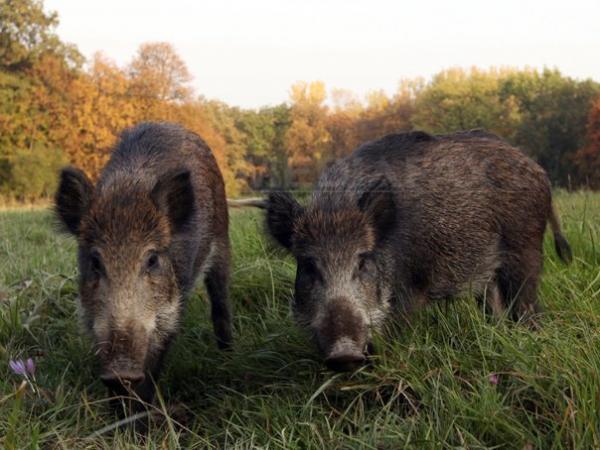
x: 174, y: 195
x: 72, y: 199
x: 379, y: 204
x: 452, y: 214
x: 282, y: 211
x: 155, y: 221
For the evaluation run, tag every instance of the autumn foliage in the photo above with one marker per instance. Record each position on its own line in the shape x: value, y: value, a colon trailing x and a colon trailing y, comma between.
x: 587, y: 159
x: 54, y: 109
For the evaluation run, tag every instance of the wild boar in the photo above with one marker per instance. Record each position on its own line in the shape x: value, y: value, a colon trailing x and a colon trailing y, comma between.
x: 156, y: 219
x: 412, y: 219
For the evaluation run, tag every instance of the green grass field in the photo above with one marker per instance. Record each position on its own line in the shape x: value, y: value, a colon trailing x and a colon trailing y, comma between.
x: 430, y: 385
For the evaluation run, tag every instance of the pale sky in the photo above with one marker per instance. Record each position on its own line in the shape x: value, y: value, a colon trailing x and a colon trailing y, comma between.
x: 249, y: 53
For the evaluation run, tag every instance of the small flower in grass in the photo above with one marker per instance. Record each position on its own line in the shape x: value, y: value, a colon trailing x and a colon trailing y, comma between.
x: 24, y: 368
x: 30, y: 366
x: 18, y: 367
x: 493, y: 378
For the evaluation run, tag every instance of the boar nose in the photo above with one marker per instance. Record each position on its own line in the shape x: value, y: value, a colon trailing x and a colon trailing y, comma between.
x: 342, y: 335
x: 344, y: 356
x: 122, y: 382
x: 345, y: 361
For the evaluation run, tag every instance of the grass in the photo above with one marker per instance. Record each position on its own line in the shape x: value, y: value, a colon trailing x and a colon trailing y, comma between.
x: 428, y: 387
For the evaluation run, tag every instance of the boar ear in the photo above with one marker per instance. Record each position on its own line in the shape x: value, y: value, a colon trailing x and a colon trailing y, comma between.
x: 282, y: 212
x: 379, y: 204
x: 72, y: 198
x: 173, y: 194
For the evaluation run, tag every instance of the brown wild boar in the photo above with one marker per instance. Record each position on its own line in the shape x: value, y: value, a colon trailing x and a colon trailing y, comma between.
x: 412, y: 219
x: 156, y: 219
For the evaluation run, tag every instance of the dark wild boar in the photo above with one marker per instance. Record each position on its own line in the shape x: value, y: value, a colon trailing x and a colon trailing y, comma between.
x: 156, y: 219
x: 412, y: 219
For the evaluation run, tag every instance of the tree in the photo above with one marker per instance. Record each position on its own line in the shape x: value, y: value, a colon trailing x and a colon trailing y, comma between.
x: 342, y: 127
x: 344, y: 100
x: 461, y: 100
x: 17, y: 107
x: 159, y: 74
x: 263, y: 136
x: 26, y: 33
x: 17, y: 130
x: 342, y: 121
x: 587, y: 159
x: 279, y: 161
x: 553, y: 113
x: 32, y: 173
x: 385, y: 115
x: 100, y: 110
x: 221, y: 118
x: 307, y: 137
x: 36, y: 71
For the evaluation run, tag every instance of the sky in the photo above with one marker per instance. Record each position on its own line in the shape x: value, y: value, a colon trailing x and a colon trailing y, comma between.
x: 249, y: 53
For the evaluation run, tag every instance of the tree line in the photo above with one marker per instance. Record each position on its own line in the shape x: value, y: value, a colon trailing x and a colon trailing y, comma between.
x: 56, y: 108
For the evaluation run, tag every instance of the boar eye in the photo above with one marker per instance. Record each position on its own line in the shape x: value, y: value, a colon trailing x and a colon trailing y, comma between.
x: 310, y: 269
x: 364, y: 262
x: 152, y: 262
x: 96, y: 263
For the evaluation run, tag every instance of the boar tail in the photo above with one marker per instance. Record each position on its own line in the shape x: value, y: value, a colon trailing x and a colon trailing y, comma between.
x: 244, y: 202
x: 563, y: 249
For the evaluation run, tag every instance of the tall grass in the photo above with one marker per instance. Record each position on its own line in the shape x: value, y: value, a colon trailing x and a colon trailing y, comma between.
x: 453, y: 378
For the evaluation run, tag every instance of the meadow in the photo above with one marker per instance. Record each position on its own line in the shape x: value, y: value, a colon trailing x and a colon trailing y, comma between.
x: 453, y: 378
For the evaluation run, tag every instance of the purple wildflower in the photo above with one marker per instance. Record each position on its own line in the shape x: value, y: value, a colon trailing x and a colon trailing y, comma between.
x: 26, y: 369
x: 30, y: 366
x: 23, y: 368
x: 493, y: 379
x: 18, y: 367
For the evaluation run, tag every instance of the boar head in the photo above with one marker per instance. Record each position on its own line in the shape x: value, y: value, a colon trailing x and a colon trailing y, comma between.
x: 342, y: 287
x: 130, y: 263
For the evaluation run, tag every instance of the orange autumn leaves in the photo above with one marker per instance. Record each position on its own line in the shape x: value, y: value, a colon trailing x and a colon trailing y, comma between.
x: 105, y: 99
x: 56, y: 110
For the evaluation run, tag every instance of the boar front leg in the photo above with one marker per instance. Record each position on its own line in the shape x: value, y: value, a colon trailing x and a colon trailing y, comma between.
x: 217, y: 285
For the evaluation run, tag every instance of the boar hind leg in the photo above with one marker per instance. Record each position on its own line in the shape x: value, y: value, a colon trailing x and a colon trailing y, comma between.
x: 518, y: 283
x: 217, y: 285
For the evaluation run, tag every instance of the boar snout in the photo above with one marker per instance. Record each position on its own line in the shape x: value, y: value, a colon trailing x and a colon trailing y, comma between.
x: 122, y: 381
x: 123, y: 358
x: 345, y: 356
x: 342, y: 336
